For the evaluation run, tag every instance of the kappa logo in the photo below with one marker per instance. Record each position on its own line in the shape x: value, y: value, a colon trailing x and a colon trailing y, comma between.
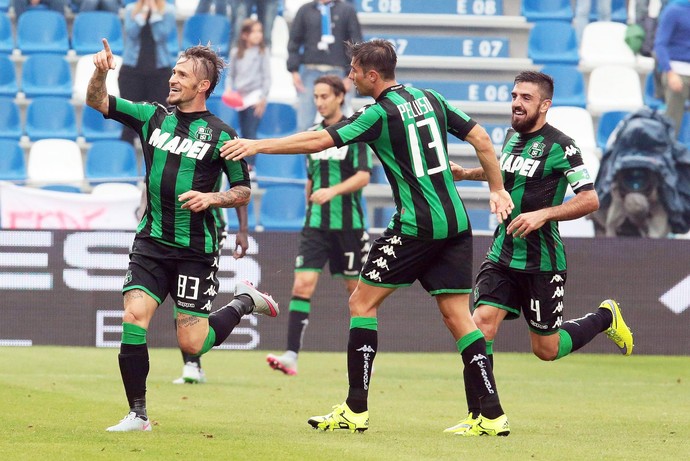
x: 366, y: 348
x: 558, y: 292
x: 477, y: 358
x: 204, y: 134
x: 395, y: 240
x: 570, y: 150
x: 559, y: 307
x: 373, y: 275
x: 536, y: 149
x: 381, y: 262
x: 388, y: 251
x: 556, y: 278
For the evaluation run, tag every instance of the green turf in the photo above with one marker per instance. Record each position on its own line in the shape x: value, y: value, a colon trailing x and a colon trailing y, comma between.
x: 56, y: 403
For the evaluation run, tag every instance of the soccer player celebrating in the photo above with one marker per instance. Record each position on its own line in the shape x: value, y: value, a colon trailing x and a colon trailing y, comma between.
x: 334, y: 226
x: 175, y: 250
x: 429, y: 237
x: 525, y: 268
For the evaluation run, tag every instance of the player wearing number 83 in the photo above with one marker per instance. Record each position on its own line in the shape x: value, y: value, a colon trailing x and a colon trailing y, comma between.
x: 428, y: 239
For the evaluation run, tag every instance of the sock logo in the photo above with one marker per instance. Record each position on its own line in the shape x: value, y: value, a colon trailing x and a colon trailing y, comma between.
x: 366, y: 348
x: 477, y: 358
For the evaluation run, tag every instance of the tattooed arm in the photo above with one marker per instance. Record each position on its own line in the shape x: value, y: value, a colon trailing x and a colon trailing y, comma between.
x: 234, y: 197
x: 96, y: 92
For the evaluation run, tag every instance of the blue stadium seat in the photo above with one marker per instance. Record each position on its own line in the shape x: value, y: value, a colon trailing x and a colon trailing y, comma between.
x: 90, y: 27
x: 8, y: 77
x: 650, y: 100
x: 174, y: 43
x: 279, y: 119
x: 46, y: 75
x: 10, y: 120
x: 200, y: 29
x: 607, y: 123
x: 283, y: 208
x: 540, y: 10
x: 684, y: 135
x: 233, y: 222
x: 50, y: 117
x: 42, y: 31
x: 481, y: 220
x: 553, y: 42
x: 378, y: 175
x: 276, y: 169
x: 220, y: 87
x: 95, y: 127
x: 224, y: 112
x: 12, y: 161
x: 5, y: 5
x: 109, y: 161
x: 569, y: 85
x: 619, y: 11
x: 383, y: 215
x: 69, y: 188
x: 6, y: 36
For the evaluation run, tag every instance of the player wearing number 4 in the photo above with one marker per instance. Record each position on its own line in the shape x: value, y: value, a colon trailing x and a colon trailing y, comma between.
x: 525, y: 268
x: 429, y: 237
x: 175, y: 250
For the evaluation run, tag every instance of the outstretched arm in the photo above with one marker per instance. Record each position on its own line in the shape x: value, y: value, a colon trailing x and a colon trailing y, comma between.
x: 96, y: 92
x: 306, y: 142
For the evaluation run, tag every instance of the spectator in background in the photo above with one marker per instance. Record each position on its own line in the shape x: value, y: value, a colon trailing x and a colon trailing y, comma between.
x: 20, y: 6
x: 672, y: 52
x: 220, y: 7
x: 250, y: 76
x: 582, y: 9
x: 100, y: 5
x: 146, y: 61
x: 266, y: 12
x: 317, y: 47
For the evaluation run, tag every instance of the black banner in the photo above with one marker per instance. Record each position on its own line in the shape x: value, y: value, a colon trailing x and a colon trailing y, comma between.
x: 63, y: 288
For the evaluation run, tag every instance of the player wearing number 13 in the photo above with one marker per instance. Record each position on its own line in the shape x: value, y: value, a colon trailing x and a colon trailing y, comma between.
x: 428, y: 239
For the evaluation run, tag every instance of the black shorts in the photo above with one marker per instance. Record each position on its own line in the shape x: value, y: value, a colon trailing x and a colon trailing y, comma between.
x: 441, y: 266
x: 538, y: 295
x: 161, y: 270
x: 345, y: 251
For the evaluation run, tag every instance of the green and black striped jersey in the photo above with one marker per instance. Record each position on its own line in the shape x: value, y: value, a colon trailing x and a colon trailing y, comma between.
x: 328, y: 168
x: 181, y: 153
x: 407, y: 129
x: 537, y: 169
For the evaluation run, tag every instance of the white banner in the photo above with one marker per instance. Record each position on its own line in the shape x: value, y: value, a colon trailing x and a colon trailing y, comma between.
x: 31, y: 208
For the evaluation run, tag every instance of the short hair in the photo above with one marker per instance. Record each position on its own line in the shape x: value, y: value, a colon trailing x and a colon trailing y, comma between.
x: 207, y: 64
x: 543, y: 81
x: 377, y: 54
x: 335, y: 82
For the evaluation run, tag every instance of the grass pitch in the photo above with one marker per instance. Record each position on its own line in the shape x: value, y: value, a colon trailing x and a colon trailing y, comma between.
x: 57, y: 401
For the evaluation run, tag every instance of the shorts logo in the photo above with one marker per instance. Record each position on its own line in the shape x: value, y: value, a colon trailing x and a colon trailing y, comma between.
x: 388, y: 250
x: 203, y: 133
x: 394, y: 240
x: 299, y: 261
x: 128, y: 277
x: 373, y: 275
x: 381, y: 262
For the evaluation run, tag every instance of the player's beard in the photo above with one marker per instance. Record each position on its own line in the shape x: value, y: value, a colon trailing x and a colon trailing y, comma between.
x: 526, y: 124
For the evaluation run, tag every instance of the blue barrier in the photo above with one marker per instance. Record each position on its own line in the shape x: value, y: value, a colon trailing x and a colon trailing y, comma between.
x: 468, y: 7
x: 466, y: 47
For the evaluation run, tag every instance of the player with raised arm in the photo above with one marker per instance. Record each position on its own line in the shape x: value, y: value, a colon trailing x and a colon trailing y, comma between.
x: 525, y: 267
x: 175, y: 250
x: 429, y: 237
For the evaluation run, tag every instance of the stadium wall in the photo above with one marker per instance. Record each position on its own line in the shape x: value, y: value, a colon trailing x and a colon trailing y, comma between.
x: 63, y: 288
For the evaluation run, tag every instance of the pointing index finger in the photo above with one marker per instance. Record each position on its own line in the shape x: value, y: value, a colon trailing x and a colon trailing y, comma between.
x: 106, y: 46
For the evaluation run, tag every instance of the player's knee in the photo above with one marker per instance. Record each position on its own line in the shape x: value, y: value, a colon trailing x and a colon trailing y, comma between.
x: 545, y: 352
x: 486, y: 325
x: 189, y: 347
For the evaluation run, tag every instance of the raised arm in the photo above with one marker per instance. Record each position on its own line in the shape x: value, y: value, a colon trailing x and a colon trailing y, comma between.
x: 96, y: 92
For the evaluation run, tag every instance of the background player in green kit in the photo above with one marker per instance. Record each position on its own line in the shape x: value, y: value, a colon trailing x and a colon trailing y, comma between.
x: 334, y: 228
x: 525, y: 268
x: 175, y: 250
x: 429, y: 237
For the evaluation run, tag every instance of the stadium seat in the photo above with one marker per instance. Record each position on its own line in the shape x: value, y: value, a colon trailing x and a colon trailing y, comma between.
x: 95, y: 127
x: 280, y: 37
x: 108, y: 161
x: 50, y: 117
x: 90, y: 27
x: 55, y: 161
x: 569, y: 85
x: 46, y: 75
x: 8, y: 77
x: 684, y: 135
x: 233, y: 222
x: 42, y: 31
x: 649, y: 97
x: 607, y: 123
x: 69, y: 188
x: 614, y: 88
x: 282, y: 88
x: 383, y: 215
x: 5, y: 5
x: 220, y: 87
x: 540, y: 10
x: 482, y: 220
x: 577, y: 123
x: 603, y: 43
x: 224, y: 112
x: 7, y: 44
x: 279, y: 119
x: 283, y: 208
x: 116, y: 189
x: 83, y: 73
x: 619, y: 11
x: 10, y: 119
x: 553, y: 42
x: 174, y: 43
x: 280, y: 169
x: 185, y: 8
x: 12, y: 161
x: 200, y: 29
